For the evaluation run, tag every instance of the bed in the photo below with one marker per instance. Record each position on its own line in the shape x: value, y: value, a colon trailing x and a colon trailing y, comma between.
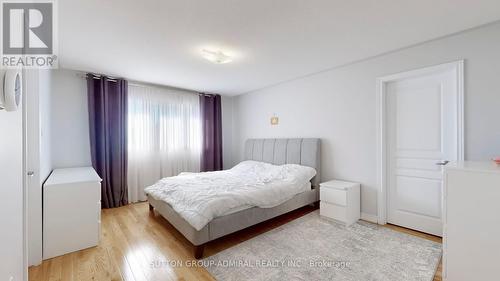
x: 301, y: 151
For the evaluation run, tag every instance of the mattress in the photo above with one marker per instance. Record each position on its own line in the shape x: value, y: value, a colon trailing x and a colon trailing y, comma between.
x: 305, y: 186
x: 201, y: 197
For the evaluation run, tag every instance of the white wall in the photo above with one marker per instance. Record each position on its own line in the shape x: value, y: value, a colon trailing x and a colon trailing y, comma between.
x: 339, y: 106
x: 11, y: 192
x: 45, y: 92
x: 69, y: 119
x: 227, y: 131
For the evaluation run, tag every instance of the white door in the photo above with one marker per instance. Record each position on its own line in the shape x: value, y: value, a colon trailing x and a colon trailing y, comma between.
x: 33, y: 163
x: 423, y: 131
x: 11, y: 191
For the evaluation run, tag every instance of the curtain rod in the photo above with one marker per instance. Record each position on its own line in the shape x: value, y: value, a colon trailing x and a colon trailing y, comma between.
x: 83, y: 75
x: 99, y: 76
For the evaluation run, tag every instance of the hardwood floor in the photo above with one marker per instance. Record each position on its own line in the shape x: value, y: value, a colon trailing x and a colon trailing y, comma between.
x: 135, y: 245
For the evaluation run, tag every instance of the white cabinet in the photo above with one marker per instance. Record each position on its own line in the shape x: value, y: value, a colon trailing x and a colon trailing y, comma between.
x: 471, y: 241
x: 340, y: 200
x: 71, y: 211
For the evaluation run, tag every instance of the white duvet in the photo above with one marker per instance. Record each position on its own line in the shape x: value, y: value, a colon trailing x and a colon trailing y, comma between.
x: 201, y: 197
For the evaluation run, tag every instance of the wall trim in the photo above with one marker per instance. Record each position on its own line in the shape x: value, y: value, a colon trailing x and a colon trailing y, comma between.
x: 381, y: 118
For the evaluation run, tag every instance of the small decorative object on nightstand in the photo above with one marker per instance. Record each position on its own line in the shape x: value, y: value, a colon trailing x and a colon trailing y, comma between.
x: 497, y: 160
x: 340, y: 200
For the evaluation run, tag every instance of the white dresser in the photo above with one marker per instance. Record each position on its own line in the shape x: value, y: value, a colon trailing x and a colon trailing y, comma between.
x: 71, y: 211
x: 340, y: 200
x: 471, y: 241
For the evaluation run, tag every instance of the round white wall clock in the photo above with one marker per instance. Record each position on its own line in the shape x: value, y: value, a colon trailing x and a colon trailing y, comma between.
x: 11, y: 90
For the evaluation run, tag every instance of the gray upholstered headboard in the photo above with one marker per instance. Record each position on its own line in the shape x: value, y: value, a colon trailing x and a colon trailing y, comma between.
x: 305, y: 152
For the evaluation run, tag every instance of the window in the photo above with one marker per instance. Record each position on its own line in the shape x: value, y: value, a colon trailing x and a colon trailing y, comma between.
x: 164, y: 136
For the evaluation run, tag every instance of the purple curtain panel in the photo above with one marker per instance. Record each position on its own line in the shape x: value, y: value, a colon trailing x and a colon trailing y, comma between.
x: 107, y: 101
x: 211, y: 117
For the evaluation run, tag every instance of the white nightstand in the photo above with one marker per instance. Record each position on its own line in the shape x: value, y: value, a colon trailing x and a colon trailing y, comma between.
x: 340, y: 200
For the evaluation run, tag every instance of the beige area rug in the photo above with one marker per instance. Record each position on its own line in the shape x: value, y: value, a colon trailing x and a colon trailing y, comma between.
x: 315, y: 248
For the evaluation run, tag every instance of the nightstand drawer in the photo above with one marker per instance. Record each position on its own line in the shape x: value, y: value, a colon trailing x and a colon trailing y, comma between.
x: 334, y: 196
x: 333, y: 211
x: 340, y: 200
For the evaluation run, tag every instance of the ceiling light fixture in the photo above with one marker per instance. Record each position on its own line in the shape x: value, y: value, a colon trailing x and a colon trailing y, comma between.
x: 217, y: 57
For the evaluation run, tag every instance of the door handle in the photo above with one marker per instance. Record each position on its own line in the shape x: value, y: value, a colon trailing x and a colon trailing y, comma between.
x: 30, y: 173
x: 442, y: 163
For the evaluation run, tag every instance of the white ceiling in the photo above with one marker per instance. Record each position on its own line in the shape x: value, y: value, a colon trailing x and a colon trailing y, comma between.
x: 159, y: 41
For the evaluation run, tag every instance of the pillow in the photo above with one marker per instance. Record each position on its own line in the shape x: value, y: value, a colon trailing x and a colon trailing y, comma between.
x: 300, y: 173
x: 268, y: 172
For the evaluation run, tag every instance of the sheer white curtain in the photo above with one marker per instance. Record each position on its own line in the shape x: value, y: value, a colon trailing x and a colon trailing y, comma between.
x: 164, y: 136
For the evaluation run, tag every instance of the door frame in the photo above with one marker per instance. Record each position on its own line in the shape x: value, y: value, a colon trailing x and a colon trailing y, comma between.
x: 27, y: 108
x: 382, y: 160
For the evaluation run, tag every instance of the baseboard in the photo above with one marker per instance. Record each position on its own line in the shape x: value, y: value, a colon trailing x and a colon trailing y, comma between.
x: 369, y: 217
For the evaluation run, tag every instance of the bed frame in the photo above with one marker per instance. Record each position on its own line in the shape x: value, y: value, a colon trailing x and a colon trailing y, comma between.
x: 275, y: 151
